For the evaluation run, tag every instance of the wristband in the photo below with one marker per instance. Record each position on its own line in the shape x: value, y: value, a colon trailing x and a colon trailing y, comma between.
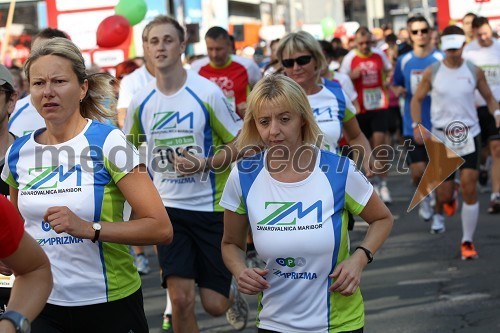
x: 368, y: 253
x: 496, y: 113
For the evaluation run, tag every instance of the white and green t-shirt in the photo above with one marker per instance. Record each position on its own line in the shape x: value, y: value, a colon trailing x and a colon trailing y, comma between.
x: 331, y: 108
x: 300, y: 230
x: 81, y: 174
x: 196, y: 118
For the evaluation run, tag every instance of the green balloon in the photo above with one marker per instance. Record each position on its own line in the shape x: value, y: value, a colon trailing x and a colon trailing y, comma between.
x: 133, y: 10
x: 328, y: 26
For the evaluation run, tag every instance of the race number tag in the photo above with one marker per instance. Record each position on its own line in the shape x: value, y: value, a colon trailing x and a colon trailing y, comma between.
x: 373, y: 99
x: 167, y: 149
x: 415, y: 78
x: 492, y: 73
x: 461, y: 148
x: 6, y: 281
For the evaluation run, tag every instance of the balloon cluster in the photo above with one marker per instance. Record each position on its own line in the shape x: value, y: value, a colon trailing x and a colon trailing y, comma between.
x: 114, y: 29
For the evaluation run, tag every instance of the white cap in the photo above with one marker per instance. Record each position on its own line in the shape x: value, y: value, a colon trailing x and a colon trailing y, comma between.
x: 452, y: 42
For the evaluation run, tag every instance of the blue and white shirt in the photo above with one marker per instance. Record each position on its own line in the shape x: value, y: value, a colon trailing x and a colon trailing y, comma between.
x: 25, y: 118
x: 81, y: 174
x: 196, y: 118
x: 300, y: 230
x: 408, y: 74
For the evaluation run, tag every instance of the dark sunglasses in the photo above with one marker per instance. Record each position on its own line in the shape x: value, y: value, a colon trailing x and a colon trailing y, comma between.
x: 301, y: 61
x: 423, y: 31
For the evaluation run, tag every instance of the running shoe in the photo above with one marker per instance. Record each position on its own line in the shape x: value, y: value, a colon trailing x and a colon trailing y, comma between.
x: 450, y: 208
x: 468, y: 251
x: 425, y: 210
x: 166, y: 326
x: 237, y: 315
x: 385, y: 195
x: 253, y: 260
x: 142, y: 264
x: 494, y: 204
x: 437, y: 226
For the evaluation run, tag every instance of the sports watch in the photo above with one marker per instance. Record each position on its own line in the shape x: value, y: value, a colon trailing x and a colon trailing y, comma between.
x: 20, y: 322
x: 97, y: 228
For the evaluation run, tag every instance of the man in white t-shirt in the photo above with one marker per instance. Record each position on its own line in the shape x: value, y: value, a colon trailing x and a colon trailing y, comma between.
x: 484, y: 52
x: 189, y: 128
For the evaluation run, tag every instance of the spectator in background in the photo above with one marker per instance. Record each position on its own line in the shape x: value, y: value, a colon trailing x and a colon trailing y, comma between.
x: 435, y: 38
x: 404, y: 42
x: 274, y: 65
x: 25, y: 118
x: 20, y: 84
x: 336, y: 43
x: 121, y: 70
x: 467, y: 26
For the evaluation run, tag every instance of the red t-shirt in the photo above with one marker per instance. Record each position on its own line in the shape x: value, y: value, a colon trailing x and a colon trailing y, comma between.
x: 370, y: 86
x: 235, y: 79
x: 11, y: 226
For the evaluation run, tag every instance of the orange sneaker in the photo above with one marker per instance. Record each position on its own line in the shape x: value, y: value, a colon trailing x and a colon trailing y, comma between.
x: 468, y: 251
x: 449, y: 209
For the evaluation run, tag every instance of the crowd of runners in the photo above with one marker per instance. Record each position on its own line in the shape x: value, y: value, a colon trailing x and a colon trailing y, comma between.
x: 243, y: 175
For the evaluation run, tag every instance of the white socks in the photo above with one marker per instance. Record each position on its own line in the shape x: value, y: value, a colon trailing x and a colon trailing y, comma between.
x: 470, y: 216
x: 168, y: 309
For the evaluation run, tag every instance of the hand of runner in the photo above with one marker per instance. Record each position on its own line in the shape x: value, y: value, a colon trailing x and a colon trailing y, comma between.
x: 347, y: 274
x: 417, y: 135
x: 251, y: 281
x: 62, y: 219
x: 188, y: 163
x: 497, y: 120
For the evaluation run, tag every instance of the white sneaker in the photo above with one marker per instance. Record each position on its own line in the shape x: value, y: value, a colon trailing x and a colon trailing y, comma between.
x: 425, y: 210
x: 385, y: 195
x: 237, y: 314
x: 437, y: 226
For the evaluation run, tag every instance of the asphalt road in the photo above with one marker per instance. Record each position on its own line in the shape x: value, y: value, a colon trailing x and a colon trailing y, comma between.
x: 417, y: 282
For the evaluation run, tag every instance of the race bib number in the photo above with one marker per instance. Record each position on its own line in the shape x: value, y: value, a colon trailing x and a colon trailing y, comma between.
x: 415, y: 78
x: 373, y: 99
x: 492, y: 73
x: 167, y: 150
x: 461, y: 148
x: 6, y: 282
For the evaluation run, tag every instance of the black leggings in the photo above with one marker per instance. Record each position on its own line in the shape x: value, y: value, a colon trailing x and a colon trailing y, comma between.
x: 268, y: 331
x: 125, y: 315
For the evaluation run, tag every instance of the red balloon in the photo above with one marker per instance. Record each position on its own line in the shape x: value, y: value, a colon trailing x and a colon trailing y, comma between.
x: 112, y: 31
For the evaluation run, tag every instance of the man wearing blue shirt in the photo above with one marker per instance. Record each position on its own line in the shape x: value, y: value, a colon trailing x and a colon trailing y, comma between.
x: 407, y: 75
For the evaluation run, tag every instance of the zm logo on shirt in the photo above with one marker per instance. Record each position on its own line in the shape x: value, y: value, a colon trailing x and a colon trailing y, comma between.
x: 319, y: 111
x: 170, y: 119
x: 49, y: 177
x: 282, y: 210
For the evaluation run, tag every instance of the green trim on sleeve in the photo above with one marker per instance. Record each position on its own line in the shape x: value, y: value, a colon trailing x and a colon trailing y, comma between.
x: 352, y: 205
x: 242, y: 209
x: 136, y: 134
x: 218, y: 127
x: 11, y: 181
x: 348, y: 115
x: 116, y: 173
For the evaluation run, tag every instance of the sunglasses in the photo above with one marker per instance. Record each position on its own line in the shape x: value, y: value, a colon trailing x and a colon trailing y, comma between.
x: 301, y: 61
x: 423, y: 31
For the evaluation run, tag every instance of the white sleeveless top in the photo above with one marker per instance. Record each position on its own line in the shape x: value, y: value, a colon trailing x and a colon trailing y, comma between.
x: 452, y: 97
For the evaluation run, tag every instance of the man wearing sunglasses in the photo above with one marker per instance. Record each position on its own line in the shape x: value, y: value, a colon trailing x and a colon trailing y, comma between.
x: 235, y: 75
x: 407, y: 74
x: 484, y: 51
x: 368, y: 68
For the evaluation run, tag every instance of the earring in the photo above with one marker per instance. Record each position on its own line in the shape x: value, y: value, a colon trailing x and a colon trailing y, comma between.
x: 81, y: 100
